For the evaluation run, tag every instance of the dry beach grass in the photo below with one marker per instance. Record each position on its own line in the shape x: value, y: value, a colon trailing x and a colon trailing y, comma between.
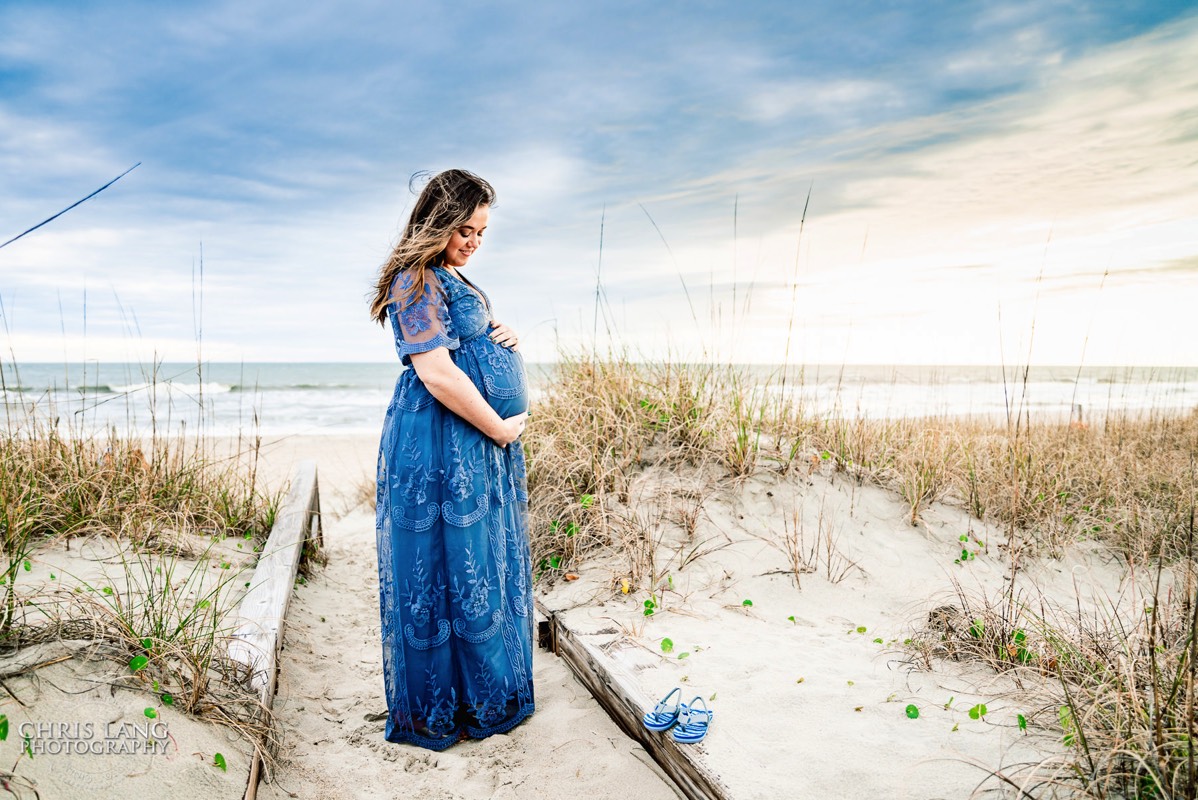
x: 1116, y: 685
x: 133, y: 551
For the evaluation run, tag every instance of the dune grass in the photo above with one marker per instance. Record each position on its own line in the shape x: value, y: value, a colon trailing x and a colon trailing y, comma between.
x: 58, y: 486
x: 1121, y: 686
x: 1126, y: 482
x: 178, y: 514
x: 1115, y: 684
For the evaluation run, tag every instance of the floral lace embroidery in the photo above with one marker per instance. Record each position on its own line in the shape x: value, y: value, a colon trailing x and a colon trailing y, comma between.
x: 459, y: 628
x: 417, y: 318
x: 478, y: 586
x: 461, y: 479
x: 441, y: 637
x: 438, y: 712
x: 491, y: 705
x: 519, y: 598
x: 420, y: 597
x: 414, y: 485
x: 498, y: 358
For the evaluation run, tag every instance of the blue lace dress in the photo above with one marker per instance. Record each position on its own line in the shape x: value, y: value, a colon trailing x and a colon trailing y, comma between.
x: 454, y: 567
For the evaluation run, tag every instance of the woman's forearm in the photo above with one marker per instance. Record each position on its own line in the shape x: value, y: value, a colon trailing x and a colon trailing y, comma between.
x: 454, y: 390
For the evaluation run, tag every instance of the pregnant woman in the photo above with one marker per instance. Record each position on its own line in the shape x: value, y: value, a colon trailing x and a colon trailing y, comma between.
x: 454, y: 576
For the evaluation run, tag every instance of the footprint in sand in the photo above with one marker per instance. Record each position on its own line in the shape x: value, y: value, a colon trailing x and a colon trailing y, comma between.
x: 420, y: 763
x: 371, y: 736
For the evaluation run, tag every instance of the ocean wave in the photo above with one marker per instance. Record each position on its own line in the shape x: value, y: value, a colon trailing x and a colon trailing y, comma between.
x: 208, y: 387
x: 303, y: 387
x: 173, y: 386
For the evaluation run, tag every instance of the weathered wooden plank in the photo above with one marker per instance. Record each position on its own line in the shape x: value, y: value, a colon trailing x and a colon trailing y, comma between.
x: 263, y: 608
x: 618, y: 691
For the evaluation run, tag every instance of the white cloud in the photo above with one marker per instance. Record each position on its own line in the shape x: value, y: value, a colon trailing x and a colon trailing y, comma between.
x: 1093, y: 170
x: 286, y: 151
x: 843, y: 99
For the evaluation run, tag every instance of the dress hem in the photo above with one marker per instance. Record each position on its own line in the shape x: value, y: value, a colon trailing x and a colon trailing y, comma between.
x: 465, y: 732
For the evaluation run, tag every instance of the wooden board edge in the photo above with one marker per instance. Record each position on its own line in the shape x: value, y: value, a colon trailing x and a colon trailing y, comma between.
x: 618, y: 693
x: 263, y: 610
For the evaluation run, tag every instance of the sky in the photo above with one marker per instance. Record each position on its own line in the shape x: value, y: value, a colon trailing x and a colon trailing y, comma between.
x: 816, y: 182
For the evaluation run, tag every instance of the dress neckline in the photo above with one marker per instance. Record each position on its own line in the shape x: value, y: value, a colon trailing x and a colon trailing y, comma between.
x: 468, y: 284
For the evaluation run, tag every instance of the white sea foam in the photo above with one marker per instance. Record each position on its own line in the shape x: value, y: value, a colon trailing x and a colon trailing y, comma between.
x: 283, y: 399
x: 174, y: 386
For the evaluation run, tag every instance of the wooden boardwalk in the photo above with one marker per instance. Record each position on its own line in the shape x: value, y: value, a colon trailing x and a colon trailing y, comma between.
x: 263, y: 609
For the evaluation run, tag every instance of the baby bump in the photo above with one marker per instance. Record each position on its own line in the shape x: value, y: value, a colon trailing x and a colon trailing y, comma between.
x: 502, y: 378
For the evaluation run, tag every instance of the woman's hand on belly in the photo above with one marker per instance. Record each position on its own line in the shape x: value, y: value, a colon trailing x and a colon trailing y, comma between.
x: 454, y: 389
x: 512, y: 428
x: 502, y: 334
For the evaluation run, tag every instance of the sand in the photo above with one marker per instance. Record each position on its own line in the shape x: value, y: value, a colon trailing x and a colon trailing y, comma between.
x: 86, y: 714
x: 808, y: 703
x: 331, y: 684
x: 810, y: 686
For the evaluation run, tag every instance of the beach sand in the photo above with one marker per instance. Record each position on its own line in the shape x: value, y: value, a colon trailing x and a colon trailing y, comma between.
x: 331, y: 681
x: 809, y: 707
x: 808, y: 702
x: 810, y: 687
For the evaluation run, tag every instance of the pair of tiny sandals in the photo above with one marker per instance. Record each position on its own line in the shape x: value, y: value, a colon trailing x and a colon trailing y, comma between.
x: 688, y: 721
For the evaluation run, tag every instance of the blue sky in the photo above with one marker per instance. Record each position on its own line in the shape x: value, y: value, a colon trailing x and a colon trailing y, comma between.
x: 974, y: 170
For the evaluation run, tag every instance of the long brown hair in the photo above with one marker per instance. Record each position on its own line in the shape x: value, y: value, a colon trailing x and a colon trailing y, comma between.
x: 448, y: 201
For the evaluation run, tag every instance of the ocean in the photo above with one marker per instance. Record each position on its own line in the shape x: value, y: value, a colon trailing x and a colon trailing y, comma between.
x: 278, y: 399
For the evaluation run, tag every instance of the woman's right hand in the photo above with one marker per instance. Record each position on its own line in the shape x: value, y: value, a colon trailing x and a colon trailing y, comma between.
x: 510, y: 429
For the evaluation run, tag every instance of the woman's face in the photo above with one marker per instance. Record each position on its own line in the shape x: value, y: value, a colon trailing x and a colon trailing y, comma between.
x: 466, y: 239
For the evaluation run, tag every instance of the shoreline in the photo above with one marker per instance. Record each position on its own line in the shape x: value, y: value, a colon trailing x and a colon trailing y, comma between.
x: 997, y: 419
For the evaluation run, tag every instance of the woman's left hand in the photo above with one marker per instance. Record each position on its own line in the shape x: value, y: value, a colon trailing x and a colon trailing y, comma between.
x: 502, y: 334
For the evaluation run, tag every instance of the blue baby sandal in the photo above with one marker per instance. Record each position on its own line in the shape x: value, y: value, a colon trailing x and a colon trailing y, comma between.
x: 665, y: 713
x: 692, y: 722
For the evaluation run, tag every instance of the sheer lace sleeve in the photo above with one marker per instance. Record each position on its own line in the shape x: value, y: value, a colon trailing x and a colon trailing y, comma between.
x: 424, y: 324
